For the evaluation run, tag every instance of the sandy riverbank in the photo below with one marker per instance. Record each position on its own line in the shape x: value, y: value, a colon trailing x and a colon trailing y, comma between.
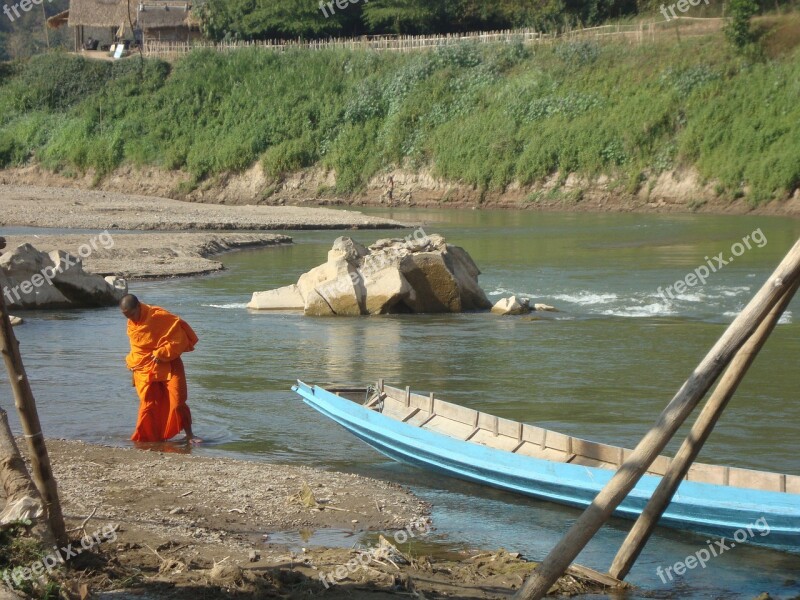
x: 32, y: 206
x: 186, y: 250
x: 197, y: 527
x: 151, y: 255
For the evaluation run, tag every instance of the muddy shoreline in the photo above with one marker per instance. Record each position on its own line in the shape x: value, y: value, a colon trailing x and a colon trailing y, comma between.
x: 181, y: 526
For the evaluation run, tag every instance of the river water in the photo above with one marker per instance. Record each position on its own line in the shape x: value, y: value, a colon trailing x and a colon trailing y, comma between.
x: 602, y: 368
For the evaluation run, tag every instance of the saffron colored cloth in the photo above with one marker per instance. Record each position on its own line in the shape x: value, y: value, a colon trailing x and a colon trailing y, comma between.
x: 161, y: 385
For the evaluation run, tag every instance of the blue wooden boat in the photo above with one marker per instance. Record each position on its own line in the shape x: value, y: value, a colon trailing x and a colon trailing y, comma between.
x: 754, y: 507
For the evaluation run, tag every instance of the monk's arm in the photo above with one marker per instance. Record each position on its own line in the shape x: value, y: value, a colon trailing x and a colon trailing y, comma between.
x: 172, y: 345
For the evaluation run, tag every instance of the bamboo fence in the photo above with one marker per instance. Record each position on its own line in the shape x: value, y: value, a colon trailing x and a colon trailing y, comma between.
x: 634, y: 33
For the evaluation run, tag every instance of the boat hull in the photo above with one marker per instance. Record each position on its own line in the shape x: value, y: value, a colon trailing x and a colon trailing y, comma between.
x: 757, y: 517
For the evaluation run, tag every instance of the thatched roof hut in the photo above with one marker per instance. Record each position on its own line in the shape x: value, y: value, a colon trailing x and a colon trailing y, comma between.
x: 162, y: 16
x: 102, y: 13
x: 156, y: 19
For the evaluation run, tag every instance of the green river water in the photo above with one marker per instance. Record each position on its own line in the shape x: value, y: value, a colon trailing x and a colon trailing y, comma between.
x: 602, y: 368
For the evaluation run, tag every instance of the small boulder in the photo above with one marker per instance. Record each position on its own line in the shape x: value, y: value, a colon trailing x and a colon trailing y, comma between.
x: 544, y: 307
x: 512, y: 306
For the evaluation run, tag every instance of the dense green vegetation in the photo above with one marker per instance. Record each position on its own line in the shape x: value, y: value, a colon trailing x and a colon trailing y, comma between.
x: 267, y: 19
x: 483, y: 115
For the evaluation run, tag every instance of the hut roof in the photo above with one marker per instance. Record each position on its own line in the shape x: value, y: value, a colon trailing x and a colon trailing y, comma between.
x: 154, y: 15
x: 101, y: 13
x: 58, y: 20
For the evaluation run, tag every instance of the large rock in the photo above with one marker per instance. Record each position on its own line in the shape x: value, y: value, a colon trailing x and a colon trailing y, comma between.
x: 435, y: 287
x: 420, y: 273
x: 285, y: 298
x: 32, y: 279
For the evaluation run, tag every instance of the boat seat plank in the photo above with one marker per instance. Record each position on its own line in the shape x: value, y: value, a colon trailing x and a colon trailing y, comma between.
x: 449, y: 427
x: 501, y: 442
x: 410, y: 414
x: 529, y: 449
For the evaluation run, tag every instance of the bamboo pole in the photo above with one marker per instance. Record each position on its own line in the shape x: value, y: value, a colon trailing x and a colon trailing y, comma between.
x: 690, y: 449
x: 29, y: 418
x: 17, y: 484
x: 670, y: 420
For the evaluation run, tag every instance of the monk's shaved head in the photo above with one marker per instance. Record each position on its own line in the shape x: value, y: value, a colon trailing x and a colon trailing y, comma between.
x: 128, y: 302
x: 131, y: 307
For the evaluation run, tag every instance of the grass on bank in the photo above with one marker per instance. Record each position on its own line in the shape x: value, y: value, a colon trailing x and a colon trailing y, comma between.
x: 482, y: 115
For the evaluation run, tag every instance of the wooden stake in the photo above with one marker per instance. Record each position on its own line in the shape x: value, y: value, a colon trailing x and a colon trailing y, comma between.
x: 29, y: 418
x: 670, y: 420
x: 690, y: 449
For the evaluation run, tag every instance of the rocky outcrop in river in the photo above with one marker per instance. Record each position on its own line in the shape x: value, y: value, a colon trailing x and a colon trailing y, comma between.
x: 419, y: 274
x: 32, y: 279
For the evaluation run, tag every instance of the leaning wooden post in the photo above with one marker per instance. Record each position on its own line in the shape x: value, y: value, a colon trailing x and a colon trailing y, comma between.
x: 21, y: 494
x: 690, y: 449
x: 654, y: 441
x: 29, y: 418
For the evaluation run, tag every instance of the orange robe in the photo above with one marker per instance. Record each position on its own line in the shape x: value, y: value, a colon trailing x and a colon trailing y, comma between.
x: 161, y: 386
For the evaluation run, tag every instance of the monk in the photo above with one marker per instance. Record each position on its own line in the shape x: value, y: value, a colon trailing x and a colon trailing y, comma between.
x: 158, y: 338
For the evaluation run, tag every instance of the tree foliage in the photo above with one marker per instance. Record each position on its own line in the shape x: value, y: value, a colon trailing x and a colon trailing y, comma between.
x: 737, y: 29
x: 262, y: 19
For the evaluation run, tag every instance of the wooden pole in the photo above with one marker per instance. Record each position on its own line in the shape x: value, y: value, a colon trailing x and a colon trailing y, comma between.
x: 670, y: 420
x: 29, y: 418
x: 17, y: 484
x: 690, y: 449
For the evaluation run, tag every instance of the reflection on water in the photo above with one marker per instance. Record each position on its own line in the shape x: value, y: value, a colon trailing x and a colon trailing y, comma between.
x: 602, y: 368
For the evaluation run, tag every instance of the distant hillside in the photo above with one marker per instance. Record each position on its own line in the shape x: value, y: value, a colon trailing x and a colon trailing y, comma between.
x: 490, y: 118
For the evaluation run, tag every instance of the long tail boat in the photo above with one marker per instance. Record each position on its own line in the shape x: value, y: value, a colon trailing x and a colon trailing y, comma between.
x: 755, y: 507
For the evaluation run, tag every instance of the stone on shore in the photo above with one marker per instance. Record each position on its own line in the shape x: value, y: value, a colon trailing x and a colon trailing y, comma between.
x: 512, y: 306
x: 15, y: 320
x: 32, y: 279
x: 419, y: 274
